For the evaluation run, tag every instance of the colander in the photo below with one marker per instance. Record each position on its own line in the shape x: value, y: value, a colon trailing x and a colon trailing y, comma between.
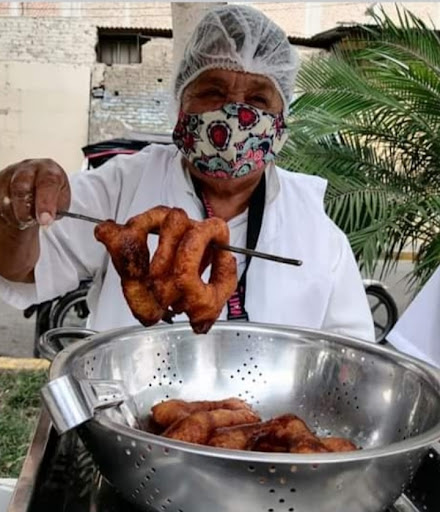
x: 385, y: 402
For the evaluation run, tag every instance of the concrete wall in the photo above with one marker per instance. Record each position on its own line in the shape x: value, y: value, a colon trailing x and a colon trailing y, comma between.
x: 45, y: 68
x: 43, y: 112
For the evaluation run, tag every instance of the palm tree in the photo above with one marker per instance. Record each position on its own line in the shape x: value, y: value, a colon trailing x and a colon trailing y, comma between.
x: 367, y: 118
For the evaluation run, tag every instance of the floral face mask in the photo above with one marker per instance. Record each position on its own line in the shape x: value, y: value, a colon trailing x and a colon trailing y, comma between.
x: 232, y: 141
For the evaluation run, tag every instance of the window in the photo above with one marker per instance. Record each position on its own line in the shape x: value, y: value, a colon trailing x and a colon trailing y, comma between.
x: 120, y: 48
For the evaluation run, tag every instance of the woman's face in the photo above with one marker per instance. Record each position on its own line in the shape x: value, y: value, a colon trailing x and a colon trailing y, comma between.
x: 217, y: 87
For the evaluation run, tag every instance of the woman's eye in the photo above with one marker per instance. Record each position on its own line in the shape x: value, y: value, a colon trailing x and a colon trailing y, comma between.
x: 210, y: 93
x: 260, y: 100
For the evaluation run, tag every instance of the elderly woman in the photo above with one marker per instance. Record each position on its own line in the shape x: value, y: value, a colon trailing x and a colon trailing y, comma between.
x: 231, y: 91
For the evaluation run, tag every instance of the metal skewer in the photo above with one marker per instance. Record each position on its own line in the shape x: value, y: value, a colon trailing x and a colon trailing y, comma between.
x: 239, y: 250
x: 79, y: 216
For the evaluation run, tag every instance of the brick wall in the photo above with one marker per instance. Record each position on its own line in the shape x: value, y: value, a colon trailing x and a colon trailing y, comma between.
x: 60, y: 41
x: 135, y: 96
x: 103, y: 14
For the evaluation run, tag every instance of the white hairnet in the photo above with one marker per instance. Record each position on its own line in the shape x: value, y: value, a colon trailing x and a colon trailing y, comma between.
x: 239, y: 38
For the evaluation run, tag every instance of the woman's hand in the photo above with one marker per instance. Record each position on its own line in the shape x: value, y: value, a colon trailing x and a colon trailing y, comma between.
x: 31, y: 192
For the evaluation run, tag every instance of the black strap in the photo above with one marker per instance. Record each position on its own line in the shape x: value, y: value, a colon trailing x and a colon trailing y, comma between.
x: 255, y: 221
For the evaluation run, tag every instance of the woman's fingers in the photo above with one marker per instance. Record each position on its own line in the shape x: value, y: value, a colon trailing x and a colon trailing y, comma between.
x: 52, y: 192
x: 32, y: 192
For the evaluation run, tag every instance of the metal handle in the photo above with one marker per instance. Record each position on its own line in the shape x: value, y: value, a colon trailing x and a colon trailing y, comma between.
x: 49, y: 342
x: 72, y: 402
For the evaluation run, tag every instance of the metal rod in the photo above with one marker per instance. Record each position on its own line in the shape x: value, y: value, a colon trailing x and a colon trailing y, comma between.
x: 80, y: 217
x: 239, y: 250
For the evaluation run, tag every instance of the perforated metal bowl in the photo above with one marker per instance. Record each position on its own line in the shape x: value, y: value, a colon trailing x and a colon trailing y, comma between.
x: 387, y: 403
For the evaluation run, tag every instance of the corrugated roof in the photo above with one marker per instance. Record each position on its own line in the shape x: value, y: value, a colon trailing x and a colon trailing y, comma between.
x: 145, y: 31
x: 324, y: 40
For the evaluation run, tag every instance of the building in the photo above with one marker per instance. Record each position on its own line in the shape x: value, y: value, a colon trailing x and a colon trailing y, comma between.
x: 73, y: 73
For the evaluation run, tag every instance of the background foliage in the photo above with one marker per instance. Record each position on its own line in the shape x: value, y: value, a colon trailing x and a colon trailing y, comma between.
x: 367, y: 118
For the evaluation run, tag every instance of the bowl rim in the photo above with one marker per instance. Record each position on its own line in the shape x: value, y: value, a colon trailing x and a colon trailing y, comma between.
x: 418, y: 442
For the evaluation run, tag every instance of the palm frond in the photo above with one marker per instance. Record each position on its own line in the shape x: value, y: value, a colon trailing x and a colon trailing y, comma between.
x: 367, y: 118
x: 411, y: 35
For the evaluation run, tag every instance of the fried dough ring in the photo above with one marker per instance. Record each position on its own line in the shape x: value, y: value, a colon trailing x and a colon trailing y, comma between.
x: 285, y: 433
x: 198, y: 427
x: 292, y: 433
x: 127, y: 245
x: 257, y: 437
x: 244, y: 437
x: 149, y: 221
x: 172, y: 280
x: 263, y: 437
x: 167, y: 413
x: 172, y: 230
x: 235, y: 438
x: 338, y: 444
x: 232, y: 424
x: 203, y: 302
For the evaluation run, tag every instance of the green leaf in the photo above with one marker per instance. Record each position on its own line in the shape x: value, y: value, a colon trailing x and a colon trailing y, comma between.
x: 367, y: 118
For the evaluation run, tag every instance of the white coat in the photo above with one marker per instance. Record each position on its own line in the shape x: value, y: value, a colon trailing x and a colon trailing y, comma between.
x: 326, y: 292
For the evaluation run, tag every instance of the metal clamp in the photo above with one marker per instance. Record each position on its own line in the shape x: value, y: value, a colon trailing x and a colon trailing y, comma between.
x: 72, y: 402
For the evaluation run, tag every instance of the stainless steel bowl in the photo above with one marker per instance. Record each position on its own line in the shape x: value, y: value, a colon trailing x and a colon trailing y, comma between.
x: 387, y: 403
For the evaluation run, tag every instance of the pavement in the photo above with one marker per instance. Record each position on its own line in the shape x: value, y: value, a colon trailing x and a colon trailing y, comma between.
x: 17, y: 332
x: 6, y: 490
